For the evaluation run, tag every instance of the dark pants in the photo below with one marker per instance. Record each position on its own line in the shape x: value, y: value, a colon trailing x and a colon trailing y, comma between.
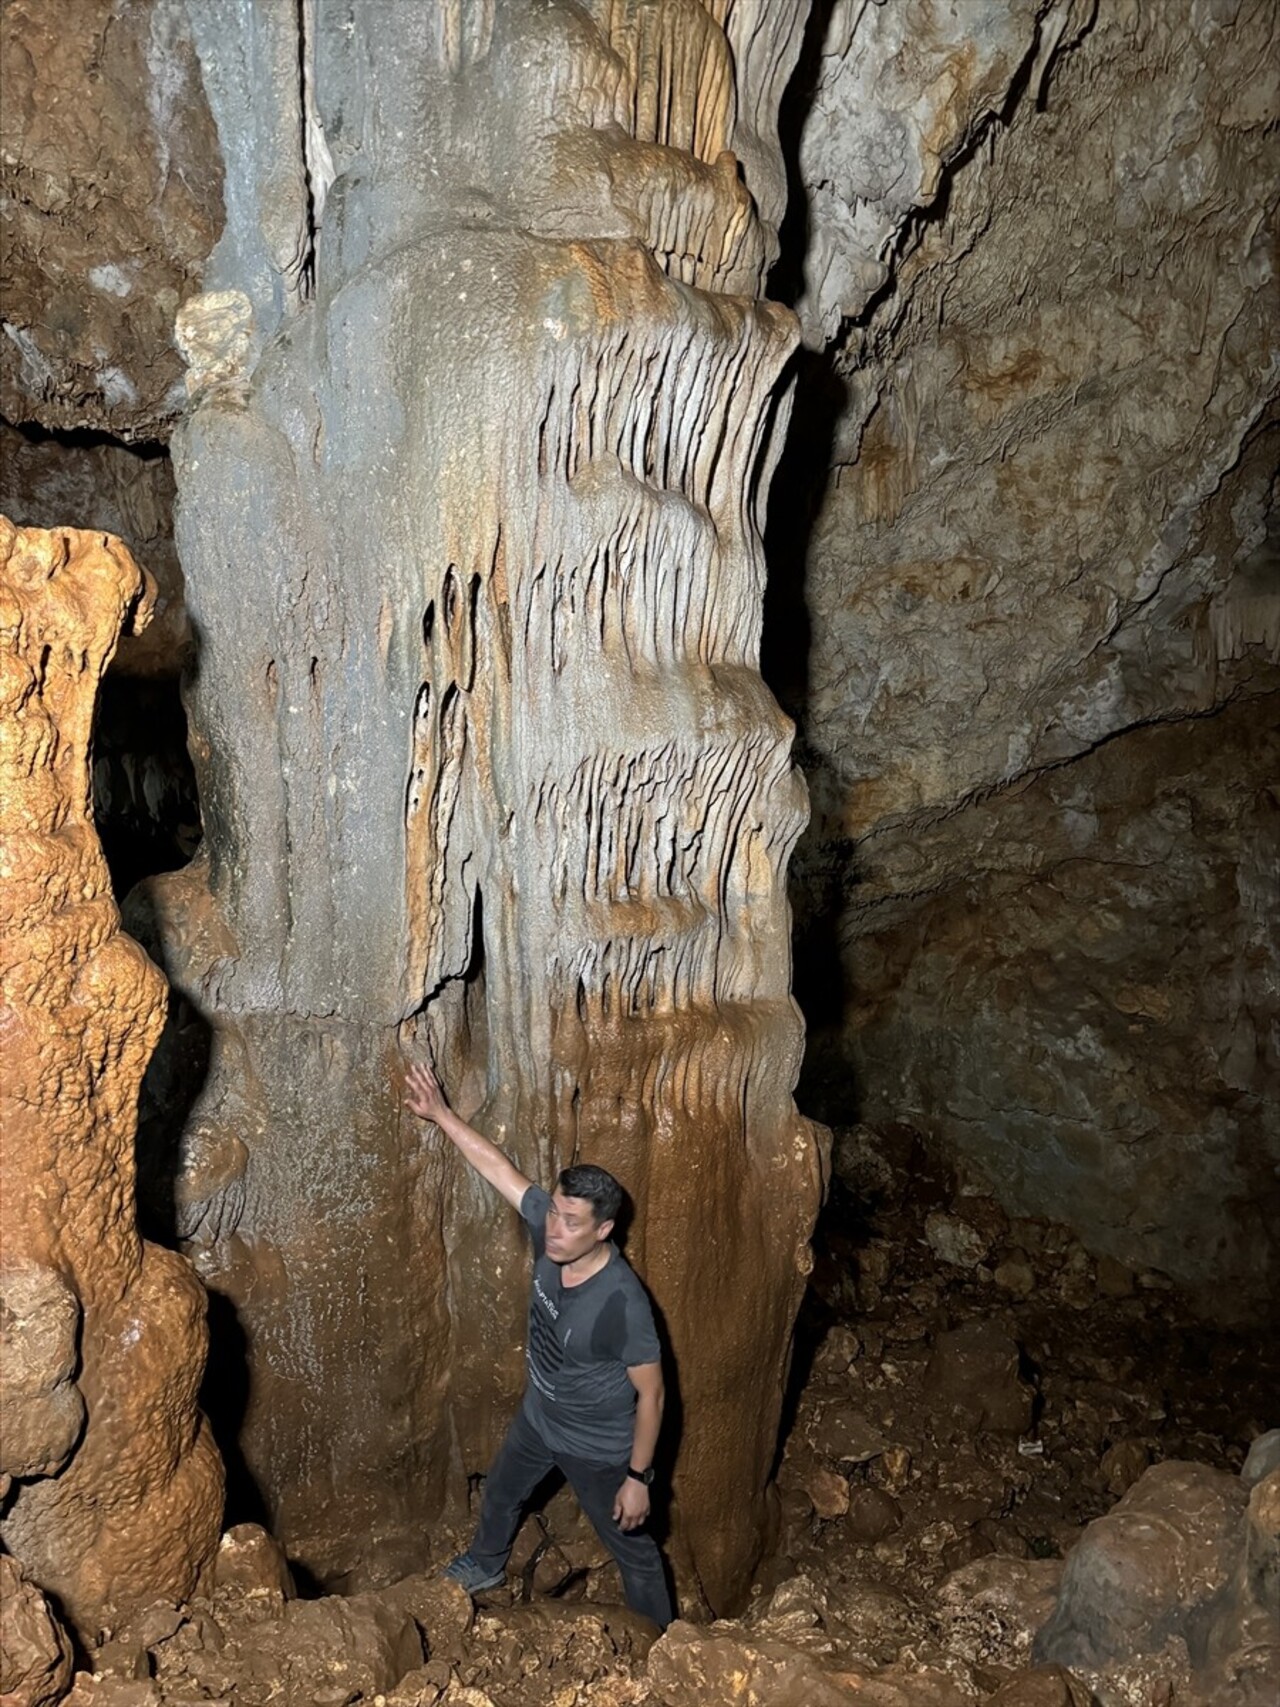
x: 522, y: 1462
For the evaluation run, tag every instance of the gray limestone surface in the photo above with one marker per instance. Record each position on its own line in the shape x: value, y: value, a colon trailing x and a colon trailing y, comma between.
x: 1037, y: 907
x: 483, y: 407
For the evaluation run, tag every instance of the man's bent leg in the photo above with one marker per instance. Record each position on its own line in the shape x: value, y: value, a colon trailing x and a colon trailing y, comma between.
x: 644, y: 1576
x: 521, y: 1464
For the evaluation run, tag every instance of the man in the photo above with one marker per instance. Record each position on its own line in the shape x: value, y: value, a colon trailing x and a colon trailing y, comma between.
x: 593, y: 1403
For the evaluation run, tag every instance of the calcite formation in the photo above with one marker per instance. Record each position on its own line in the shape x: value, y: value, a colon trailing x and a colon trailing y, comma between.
x: 469, y: 507
x: 1037, y: 910
x: 117, y: 1492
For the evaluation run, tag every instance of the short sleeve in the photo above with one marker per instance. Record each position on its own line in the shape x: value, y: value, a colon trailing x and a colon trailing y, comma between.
x: 640, y: 1336
x: 533, y: 1211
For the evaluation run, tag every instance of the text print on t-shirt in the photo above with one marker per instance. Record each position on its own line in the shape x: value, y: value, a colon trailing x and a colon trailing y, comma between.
x: 546, y: 1353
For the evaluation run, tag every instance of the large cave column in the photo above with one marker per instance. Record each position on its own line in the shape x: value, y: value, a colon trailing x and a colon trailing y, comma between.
x: 487, y: 765
x: 117, y: 1495
x: 639, y: 778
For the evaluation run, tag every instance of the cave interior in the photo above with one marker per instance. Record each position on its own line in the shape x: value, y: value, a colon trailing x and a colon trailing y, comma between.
x: 711, y: 568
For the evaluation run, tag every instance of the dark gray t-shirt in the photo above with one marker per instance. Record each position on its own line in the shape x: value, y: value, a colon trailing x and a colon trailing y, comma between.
x: 582, y: 1340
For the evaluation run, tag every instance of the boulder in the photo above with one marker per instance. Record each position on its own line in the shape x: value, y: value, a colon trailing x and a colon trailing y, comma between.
x: 35, y: 1653
x: 420, y: 1687
x: 844, y: 1434
x: 989, y: 1610
x: 1015, y: 1274
x: 903, y: 1686
x: 1244, y: 1623
x: 692, y: 1667
x: 1043, y: 1686
x: 1113, y: 1279
x: 1262, y: 1546
x: 361, y: 1645
x: 1149, y: 1570
x: 828, y: 1490
x: 1246, y: 1678
x: 972, y: 1381
x: 956, y: 1241
x: 1123, y: 1464
x: 441, y: 1608
x: 839, y: 1348
x: 873, y: 1514
x: 253, y: 1561
x: 1262, y: 1458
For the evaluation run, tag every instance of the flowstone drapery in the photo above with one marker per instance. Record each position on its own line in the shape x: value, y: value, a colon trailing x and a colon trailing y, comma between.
x: 111, y: 1486
x: 469, y: 507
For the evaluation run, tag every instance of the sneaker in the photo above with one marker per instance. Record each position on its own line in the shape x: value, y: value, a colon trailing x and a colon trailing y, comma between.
x: 471, y: 1575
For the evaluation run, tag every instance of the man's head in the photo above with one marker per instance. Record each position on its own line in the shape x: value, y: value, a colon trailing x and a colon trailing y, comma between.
x: 583, y: 1209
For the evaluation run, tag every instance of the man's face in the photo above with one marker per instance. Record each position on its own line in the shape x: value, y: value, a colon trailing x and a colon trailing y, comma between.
x: 572, y: 1229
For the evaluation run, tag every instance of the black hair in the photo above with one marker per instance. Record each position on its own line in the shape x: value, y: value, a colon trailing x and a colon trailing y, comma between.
x: 595, y: 1187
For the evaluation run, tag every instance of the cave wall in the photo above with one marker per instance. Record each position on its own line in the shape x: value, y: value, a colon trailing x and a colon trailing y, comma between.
x: 1037, y: 905
x: 112, y: 189
x: 110, y: 1484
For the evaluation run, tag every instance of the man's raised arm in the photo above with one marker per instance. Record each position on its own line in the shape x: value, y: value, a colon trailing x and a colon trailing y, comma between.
x: 425, y: 1098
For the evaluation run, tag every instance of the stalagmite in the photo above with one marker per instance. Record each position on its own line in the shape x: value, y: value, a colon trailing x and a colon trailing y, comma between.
x: 471, y: 537
x: 117, y: 1491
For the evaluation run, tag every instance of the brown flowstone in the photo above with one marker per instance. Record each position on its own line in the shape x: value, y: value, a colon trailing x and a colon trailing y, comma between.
x: 116, y: 1511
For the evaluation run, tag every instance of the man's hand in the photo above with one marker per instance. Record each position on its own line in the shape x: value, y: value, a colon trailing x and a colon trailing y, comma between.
x: 631, y: 1507
x: 423, y: 1094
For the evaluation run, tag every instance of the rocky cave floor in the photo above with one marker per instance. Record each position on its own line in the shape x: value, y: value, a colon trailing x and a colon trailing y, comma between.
x: 970, y: 1393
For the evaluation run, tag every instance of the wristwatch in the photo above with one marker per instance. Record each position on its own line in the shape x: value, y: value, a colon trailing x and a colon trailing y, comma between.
x: 645, y: 1476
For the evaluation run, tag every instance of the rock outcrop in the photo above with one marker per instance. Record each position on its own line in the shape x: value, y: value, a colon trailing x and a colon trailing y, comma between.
x: 1184, y: 1572
x: 118, y: 1488
x: 469, y: 518
x: 1036, y: 908
x: 112, y: 185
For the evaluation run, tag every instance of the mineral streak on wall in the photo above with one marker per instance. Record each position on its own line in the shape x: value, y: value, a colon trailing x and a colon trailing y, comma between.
x: 113, y: 1488
x: 469, y: 507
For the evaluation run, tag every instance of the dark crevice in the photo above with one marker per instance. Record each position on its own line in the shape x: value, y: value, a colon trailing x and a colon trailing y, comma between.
x: 84, y: 438
x: 307, y: 269
x: 145, y: 803
x: 145, y: 798
x: 786, y: 279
